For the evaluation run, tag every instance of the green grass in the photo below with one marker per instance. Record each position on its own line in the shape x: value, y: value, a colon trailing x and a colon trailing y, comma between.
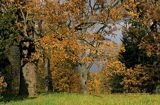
x: 79, y: 99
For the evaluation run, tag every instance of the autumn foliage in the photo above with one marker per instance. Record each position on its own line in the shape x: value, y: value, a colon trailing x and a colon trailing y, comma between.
x: 63, y: 39
x: 66, y: 80
x: 2, y: 84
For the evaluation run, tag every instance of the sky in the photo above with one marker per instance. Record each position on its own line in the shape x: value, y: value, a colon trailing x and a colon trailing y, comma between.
x: 116, y: 38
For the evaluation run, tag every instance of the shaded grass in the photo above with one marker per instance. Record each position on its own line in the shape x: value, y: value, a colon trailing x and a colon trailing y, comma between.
x: 79, y: 99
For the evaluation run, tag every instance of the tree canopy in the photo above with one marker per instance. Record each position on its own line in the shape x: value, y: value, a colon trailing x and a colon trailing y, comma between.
x: 52, y: 45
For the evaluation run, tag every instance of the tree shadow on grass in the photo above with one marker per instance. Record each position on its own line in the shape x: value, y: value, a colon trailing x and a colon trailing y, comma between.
x: 8, y: 98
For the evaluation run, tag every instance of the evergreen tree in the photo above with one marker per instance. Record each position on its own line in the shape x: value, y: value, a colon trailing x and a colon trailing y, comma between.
x: 134, y: 55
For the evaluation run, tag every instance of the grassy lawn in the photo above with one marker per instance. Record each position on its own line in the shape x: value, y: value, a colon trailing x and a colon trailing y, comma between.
x: 78, y: 99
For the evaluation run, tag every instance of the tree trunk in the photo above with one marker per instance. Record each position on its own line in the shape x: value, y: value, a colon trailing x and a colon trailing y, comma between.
x: 83, y: 78
x: 13, y: 55
x: 23, y: 91
x: 48, y: 78
x: 29, y: 74
x: 28, y: 79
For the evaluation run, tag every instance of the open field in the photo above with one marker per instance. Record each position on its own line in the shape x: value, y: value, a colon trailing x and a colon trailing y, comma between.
x: 76, y: 99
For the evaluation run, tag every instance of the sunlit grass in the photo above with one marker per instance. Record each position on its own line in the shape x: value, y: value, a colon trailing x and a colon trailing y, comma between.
x: 79, y: 99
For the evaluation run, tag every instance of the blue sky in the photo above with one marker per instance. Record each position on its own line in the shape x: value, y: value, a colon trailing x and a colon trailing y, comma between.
x: 116, y: 36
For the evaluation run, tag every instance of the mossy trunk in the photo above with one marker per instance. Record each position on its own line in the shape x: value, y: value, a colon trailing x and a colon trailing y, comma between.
x: 13, y: 54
